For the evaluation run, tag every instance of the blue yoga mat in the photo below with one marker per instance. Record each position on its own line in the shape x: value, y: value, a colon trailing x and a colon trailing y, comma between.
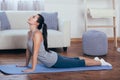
x: 40, y: 68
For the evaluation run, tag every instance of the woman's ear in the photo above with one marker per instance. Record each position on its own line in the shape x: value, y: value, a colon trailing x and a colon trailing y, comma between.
x: 37, y: 23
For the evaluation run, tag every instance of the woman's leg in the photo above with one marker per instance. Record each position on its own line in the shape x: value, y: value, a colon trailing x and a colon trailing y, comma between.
x: 68, y: 62
x: 91, y: 62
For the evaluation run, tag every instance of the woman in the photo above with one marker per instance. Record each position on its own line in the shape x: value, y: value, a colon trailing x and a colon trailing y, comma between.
x: 38, y: 49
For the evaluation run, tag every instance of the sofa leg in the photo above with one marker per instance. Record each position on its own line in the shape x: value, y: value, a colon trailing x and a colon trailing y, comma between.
x: 65, y: 49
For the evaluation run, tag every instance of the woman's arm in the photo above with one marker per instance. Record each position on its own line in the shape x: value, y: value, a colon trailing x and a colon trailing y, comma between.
x: 37, y: 39
x: 28, y: 57
x: 28, y: 54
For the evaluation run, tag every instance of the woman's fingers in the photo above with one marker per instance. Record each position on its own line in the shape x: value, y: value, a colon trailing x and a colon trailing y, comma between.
x: 21, y: 65
x: 28, y: 70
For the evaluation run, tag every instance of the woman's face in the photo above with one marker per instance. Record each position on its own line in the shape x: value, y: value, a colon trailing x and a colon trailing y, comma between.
x: 33, y: 20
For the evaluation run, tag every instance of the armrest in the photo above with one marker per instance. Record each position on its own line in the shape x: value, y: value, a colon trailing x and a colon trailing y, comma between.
x: 64, y: 27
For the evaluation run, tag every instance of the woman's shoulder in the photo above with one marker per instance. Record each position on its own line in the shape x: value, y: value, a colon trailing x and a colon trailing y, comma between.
x: 37, y: 35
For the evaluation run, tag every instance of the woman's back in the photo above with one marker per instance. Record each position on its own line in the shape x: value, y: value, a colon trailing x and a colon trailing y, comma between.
x: 47, y: 58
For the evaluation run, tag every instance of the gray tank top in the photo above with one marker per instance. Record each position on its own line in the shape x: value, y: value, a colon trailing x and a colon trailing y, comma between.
x: 47, y: 58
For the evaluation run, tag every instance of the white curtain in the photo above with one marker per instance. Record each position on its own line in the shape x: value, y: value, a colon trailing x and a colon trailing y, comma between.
x: 21, y: 4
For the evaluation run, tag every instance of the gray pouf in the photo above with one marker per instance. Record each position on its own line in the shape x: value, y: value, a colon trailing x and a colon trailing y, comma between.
x: 94, y: 43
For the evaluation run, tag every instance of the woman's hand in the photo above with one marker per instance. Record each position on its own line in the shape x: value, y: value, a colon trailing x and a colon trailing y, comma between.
x: 21, y: 65
x: 28, y: 70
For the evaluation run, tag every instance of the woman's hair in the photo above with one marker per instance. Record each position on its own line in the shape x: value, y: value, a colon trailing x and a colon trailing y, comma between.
x: 43, y: 26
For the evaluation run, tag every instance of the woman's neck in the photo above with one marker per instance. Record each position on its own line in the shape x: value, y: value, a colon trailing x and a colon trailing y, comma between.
x: 33, y: 28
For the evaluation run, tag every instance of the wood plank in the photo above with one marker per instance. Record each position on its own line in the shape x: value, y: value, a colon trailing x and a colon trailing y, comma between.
x: 75, y: 50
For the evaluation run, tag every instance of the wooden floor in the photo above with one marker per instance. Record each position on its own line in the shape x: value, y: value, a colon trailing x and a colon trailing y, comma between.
x: 18, y: 57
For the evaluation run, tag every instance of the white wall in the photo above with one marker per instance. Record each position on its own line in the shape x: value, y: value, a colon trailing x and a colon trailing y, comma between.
x: 73, y: 10
x: 118, y: 17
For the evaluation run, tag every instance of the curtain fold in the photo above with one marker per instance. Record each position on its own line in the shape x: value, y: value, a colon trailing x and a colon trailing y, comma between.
x: 21, y: 4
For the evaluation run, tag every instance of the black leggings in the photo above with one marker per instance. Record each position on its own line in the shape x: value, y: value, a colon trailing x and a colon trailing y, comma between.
x: 66, y: 62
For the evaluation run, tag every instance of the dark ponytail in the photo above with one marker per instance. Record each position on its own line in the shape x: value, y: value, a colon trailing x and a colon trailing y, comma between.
x: 44, y: 30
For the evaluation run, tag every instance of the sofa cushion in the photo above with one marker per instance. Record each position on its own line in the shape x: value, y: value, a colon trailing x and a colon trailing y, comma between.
x: 18, y: 19
x: 51, y: 19
x: 18, y: 39
x: 55, y: 38
x: 4, y: 22
x: 13, y: 32
x: 13, y: 39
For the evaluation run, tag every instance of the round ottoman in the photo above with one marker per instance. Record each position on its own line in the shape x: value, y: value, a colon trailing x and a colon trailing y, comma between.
x: 94, y: 43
